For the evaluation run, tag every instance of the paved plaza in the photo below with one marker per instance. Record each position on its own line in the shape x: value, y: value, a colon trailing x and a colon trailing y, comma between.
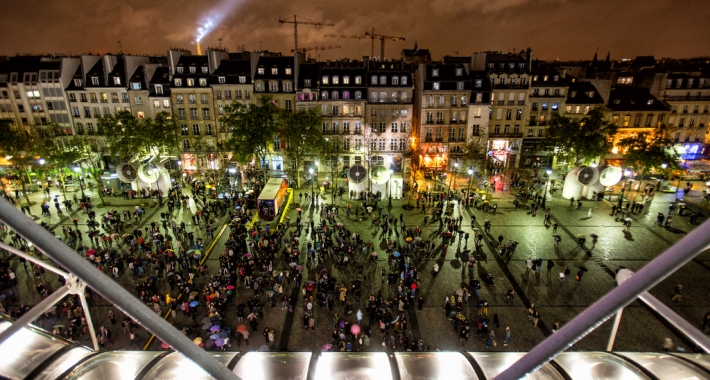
x: 556, y: 301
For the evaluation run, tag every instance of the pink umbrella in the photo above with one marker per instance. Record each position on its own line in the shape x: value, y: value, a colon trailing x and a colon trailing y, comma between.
x: 355, y: 329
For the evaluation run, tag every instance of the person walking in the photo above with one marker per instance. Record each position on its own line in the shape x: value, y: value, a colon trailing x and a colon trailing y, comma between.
x: 677, y: 296
x: 507, y: 336
x: 589, y: 214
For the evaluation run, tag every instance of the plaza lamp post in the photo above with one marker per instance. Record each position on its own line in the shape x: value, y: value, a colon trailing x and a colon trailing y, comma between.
x: 390, y: 188
x: 77, y: 170
x: 310, y: 170
x: 233, y: 175
x: 547, y: 178
x: 658, y: 185
x: 470, y: 179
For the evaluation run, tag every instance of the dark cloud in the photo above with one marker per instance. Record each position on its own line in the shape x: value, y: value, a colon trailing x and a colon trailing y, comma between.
x: 564, y: 29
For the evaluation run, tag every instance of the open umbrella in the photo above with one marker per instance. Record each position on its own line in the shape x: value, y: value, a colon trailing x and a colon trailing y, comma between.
x: 292, y: 264
x: 237, y: 220
x: 418, y: 238
x: 230, y: 287
x: 206, y: 320
x: 355, y: 329
x: 193, y: 295
x: 259, y: 279
x: 197, y: 340
x: 247, y: 255
x: 299, y: 267
x: 298, y: 209
x: 214, y: 328
x: 251, y: 315
x: 194, y: 303
x: 219, y: 342
x: 327, y: 347
x: 339, y: 224
x: 207, y: 326
x: 237, y: 207
x: 628, y: 219
x: 269, y: 292
x: 395, y: 254
x: 408, y: 239
x: 324, y: 271
x: 395, y: 319
x: 214, y: 336
x: 241, y: 328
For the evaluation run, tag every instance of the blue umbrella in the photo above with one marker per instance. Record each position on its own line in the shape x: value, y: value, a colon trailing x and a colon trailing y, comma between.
x: 237, y: 207
x: 194, y: 303
x: 396, y: 254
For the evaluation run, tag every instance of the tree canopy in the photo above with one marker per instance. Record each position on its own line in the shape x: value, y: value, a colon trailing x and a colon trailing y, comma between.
x: 649, y: 150
x: 128, y: 136
x: 301, y: 136
x: 579, y: 140
x: 253, y: 128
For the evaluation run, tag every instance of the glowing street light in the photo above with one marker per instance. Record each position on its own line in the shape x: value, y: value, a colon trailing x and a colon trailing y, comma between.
x: 310, y: 170
x: 77, y: 170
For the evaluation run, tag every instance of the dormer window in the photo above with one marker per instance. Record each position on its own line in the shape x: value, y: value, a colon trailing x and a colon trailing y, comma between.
x: 135, y: 85
x: 545, y: 78
x: 436, y: 86
x: 205, y: 69
x: 617, y: 101
x: 649, y: 102
x: 690, y: 83
x: 435, y: 72
x: 77, y: 82
x: 324, y: 95
x: 178, y: 82
x: 346, y: 80
x: 403, y: 80
x: 242, y: 79
x: 479, y: 82
x: 395, y: 80
x: 512, y: 66
x: 358, y: 80
x: 180, y: 69
x: 556, y: 78
x: 260, y: 71
x: 221, y: 79
x: 203, y: 82
x: 383, y: 80
x: 117, y: 81
x: 572, y: 94
x: 95, y: 81
x: 288, y: 71
x: 521, y: 66
x: 193, y: 69
x: 306, y: 83
x: 274, y: 71
x: 373, y: 79
x: 534, y: 78
x: 159, y: 89
x: 590, y: 94
x: 459, y: 72
x: 336, y: 80
x: 325, y: 79
x: 190, y: 82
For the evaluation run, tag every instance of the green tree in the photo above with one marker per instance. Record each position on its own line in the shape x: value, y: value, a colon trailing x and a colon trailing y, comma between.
x: 580, y: 140
x: 23, y: 149
x: 649, y: 150
x: 302, y: 134
x: 253, y: 127
x: 61, y: 154
x: 89, y: 160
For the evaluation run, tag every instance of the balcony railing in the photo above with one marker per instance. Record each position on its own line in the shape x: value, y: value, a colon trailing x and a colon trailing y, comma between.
x: 686, y: 97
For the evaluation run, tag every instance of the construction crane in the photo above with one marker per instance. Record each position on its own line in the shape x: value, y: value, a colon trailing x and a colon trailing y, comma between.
x: 373, y: 36
x: 295, y: 27
x: 303, y: 50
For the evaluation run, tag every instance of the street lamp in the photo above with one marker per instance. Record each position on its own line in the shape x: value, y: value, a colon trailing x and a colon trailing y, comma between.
x: 658, y: 185
x: 470, y: 179
x: 544, y: 197
x: 594, y: 164
x: 77, y: 170
x: 310, y: 170
x: 390, y: 186
x: 41, y: 161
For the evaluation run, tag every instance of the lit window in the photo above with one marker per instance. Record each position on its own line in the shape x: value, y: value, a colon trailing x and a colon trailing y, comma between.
x: 260, y: 70
x: 288, y: 71
x: 274, y: 71
x: 242, y: 79
x: 222, y: 80
x: 436, y: 86
x: 178, y: 82
x: 325, y: 80
x: 141, y: 115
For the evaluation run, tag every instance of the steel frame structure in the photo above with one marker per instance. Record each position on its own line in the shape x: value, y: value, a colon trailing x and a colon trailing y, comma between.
x: 81, y: 273
x: 650, y: 275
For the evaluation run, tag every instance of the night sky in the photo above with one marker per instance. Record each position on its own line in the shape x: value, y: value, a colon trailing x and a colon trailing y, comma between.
x: 554, y: 29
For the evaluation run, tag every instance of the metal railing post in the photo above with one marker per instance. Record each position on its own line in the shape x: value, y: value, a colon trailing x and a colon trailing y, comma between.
x: 33, y: 259
x: 110, y: 290
x: 654, y: 272
x: 92, y: 330
x: 614, y: 330
x: 34, y: 313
